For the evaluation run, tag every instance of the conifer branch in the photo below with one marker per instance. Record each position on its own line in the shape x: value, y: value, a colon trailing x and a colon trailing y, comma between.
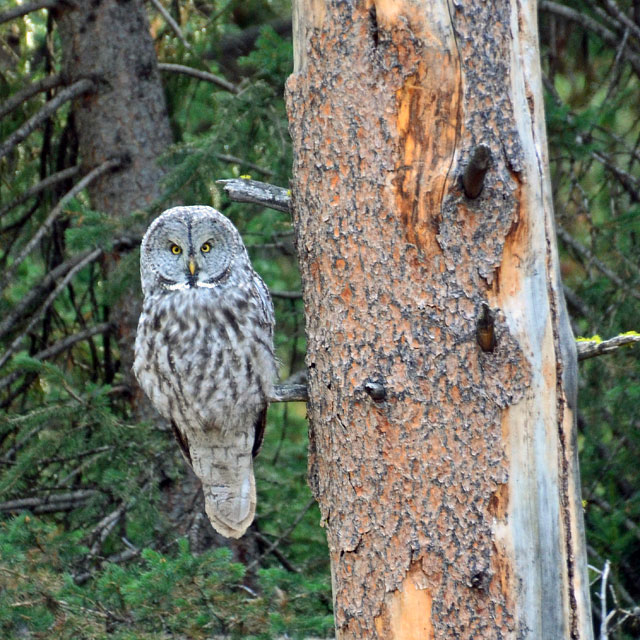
x: 287, y: 295
x: 255, y: 192
x: 107, y: 165
x: 51, y: 503
x: 48, y: 182
x: 46, y: 83
x: 71, y: 92
x: 568, y: 239
x: 59, y: 347
x: 93, y: 255
x: 199, y: 74
x: 28, y: 7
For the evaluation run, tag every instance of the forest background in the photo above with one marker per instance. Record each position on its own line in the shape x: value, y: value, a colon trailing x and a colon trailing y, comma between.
x: 101, y: 527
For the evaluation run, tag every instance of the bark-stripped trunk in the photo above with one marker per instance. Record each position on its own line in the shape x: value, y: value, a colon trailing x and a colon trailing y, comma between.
x: 446, y: 472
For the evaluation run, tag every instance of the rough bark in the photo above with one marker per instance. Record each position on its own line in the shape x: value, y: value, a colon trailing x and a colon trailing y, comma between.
x: 126, y: 117
x: 441, y: 363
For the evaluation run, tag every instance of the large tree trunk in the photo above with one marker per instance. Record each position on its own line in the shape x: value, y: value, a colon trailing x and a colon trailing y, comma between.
x: 126, y: 117
x: 442, y: 369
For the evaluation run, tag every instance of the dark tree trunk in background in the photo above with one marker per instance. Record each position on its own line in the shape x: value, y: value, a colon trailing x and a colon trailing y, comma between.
x: 125, y: 118
x: 442, y: 369
x: 109, y: 41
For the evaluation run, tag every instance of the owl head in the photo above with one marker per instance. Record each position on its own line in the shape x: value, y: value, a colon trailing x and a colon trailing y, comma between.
x: 189, y: 247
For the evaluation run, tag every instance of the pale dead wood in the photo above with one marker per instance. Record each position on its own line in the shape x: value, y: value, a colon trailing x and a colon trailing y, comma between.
x: 256, y: 192
x: 591, y: 348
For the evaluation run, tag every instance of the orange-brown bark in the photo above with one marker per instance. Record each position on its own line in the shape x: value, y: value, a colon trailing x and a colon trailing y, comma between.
x: 415, y: 428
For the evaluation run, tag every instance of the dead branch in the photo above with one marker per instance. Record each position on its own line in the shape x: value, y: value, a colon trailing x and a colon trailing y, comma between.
x: 282, y: 536
x: 28, y: 7
x: 567, y: 238
x: 289, y: 393
x: 48, y: 182
x: 51, y: 503
x: 255, y: 192
x: 588, y: 23
x: 71, y: 92
x: 225, y: 157
x: 59, y: 347
x: 107, y: 165
x: 287, y: 295
x: 55, y: 293
x: 171, y: 22
x: 200, y: 75
x: 46, y: 83
x: 591, y: 348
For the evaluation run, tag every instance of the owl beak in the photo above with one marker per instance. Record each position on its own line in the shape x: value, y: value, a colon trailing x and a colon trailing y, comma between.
x: 192, y: 266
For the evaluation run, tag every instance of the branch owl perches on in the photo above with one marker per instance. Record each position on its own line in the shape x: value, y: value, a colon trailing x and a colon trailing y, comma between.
x: 204, y: 353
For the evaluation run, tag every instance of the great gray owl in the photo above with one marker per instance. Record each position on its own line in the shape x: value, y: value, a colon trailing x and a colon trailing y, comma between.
x: 204, y: 353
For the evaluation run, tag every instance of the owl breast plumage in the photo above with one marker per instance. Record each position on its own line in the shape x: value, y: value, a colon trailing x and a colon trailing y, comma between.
x: 204, y: 353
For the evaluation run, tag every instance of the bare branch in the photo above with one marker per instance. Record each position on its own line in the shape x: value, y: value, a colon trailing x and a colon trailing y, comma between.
x: 197, y: 73
x: 107, y: 165
x: 235, y: 160
x: 588, y: 23
x: 171, y: 22
x: 255, y: 192
x: 59, y: 347
x: 71, y: 92
x: 48, y: 82
x: 289, y: 393
x: 50, y: 503
x: 284, y: 535
x: 49, y: 181
x: 591, y: 348
x: 54, y: 294
x: 28, y: 7
x: 567, y: 238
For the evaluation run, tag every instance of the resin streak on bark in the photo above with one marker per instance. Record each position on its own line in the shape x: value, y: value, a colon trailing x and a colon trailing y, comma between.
x: 421, y: 488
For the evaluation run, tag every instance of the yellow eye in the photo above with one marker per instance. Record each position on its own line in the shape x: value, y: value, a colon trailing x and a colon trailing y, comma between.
x: 205, y: 248
x: 176, y: 250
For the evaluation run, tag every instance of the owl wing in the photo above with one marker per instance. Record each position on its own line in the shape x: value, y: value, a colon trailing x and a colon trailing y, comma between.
x: 261, y: 294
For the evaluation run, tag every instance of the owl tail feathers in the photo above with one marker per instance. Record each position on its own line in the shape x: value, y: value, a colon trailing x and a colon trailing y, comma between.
x: 231, y: 509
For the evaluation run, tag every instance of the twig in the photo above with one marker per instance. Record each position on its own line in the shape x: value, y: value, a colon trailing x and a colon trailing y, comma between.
x: 38, y: 291
x: 255, y: 192
x: 567, y: 238
x: 588, y: 23
x: 102, y: 530
x: 72, y: 91
x: 28, y: 7
x: 171, y: 22
x: 49, y: 181
x: 284, y: 535
x: 225, y: 157
x: 107, y: 165
x: 46, y: 83
x: 55, y: 293
x: 197, y: 73
x: 278, y: 554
